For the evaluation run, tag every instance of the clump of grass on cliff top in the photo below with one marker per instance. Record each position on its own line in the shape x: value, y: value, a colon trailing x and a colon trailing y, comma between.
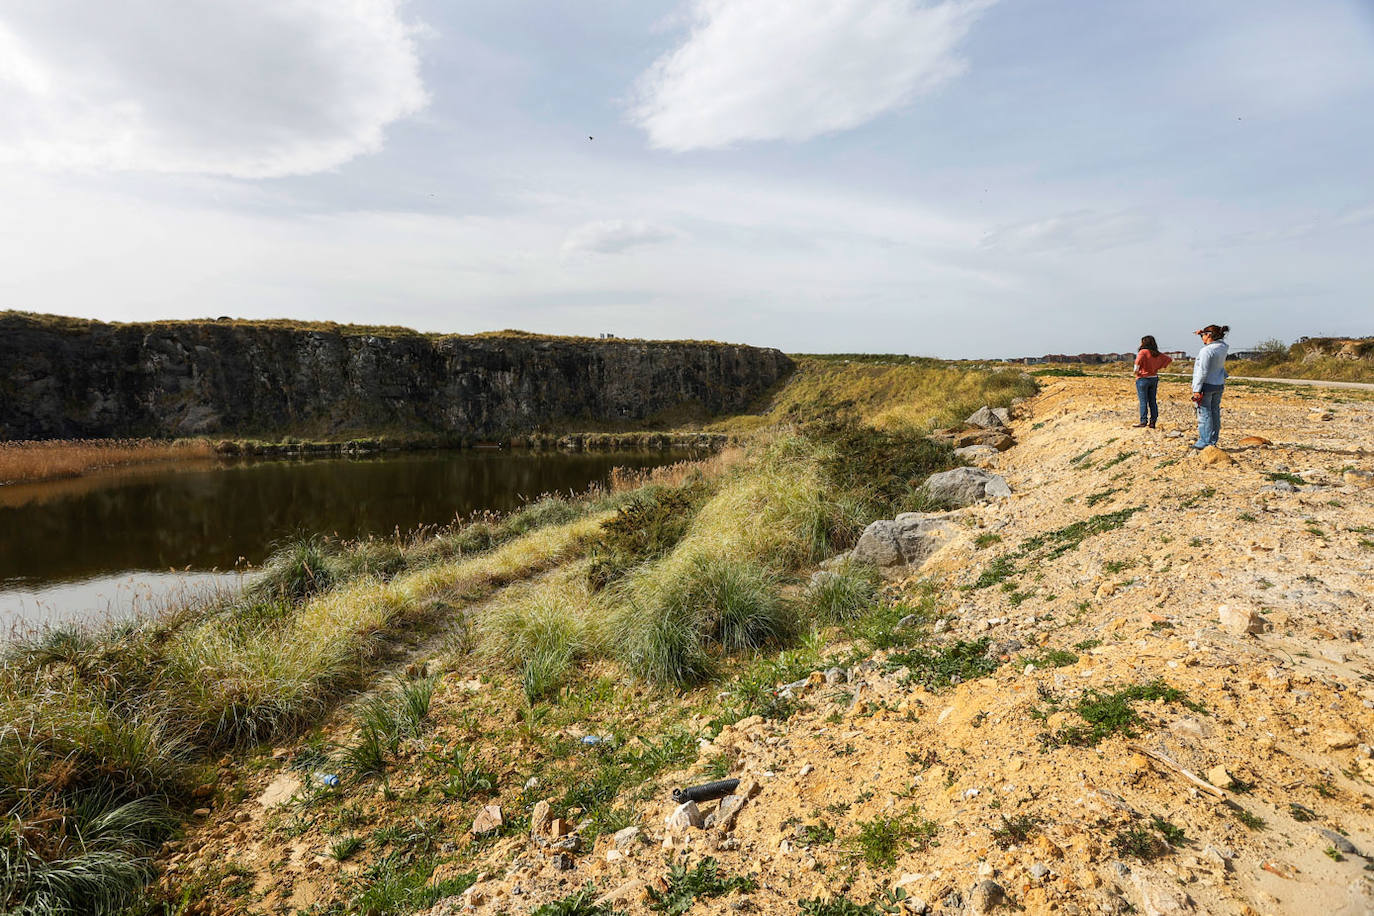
x: 886, y: 393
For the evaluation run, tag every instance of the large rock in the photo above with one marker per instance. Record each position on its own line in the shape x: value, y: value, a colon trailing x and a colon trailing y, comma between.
x: 996, y: 437
x: 989, y: 416
x: 894, y: 545
x: 1241, y: 620
x: 975, y: 452
x: 966, y: 486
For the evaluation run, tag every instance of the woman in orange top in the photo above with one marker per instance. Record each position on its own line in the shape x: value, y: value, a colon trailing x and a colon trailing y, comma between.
x: 1148, y: 362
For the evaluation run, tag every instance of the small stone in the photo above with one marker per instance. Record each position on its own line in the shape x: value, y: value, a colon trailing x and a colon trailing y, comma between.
x: 687, y: 815
x: 805, y: 771
x: 1162, y: 900
x: 835, y: 676
x: 614, y: 855
x: 570, y: 843
x: 1039, y: 870
x: 539, y: 818
x: 1339, y: 740
x: 1218, y: 777
x: 1211, y: 455
x: 627, y: 838
x: 1341, y: 843
x: 728, y: 811
x: 748, y: 787
x: 1241, y: 620
x: 986, y: 896
x: 1189, y: 727
x: 488, y: 820
x: 1357, y: 477
x: 562, y: 862
x: 1219, y: 854
x: 200, y: 812
x: 559, y: 827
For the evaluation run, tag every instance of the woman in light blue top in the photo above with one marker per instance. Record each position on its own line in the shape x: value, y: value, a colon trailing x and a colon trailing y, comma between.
x: 1209, y: 378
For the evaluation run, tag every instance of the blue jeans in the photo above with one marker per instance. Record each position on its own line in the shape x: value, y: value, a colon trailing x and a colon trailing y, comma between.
x: 1209, y: 416
x: 1146, y: 390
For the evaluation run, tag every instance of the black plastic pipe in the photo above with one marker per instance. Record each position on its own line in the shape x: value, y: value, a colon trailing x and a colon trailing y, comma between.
x: 718, y: 789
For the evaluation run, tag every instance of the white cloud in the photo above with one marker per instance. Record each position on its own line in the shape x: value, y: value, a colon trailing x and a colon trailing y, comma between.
x: 613, y: 236
x: 252, y: 89
x: 1078, y: 230
x: 794, y: 69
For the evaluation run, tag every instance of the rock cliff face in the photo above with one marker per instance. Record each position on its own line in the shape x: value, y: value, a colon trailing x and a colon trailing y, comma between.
x: 62, y: 378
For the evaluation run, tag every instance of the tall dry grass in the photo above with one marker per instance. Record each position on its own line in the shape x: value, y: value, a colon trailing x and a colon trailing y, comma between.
x: 24, y: 461
x: 883, y: 394
x: 677, y: 474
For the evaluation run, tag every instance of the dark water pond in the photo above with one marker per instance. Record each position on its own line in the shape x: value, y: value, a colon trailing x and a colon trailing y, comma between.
x: 113, y: 544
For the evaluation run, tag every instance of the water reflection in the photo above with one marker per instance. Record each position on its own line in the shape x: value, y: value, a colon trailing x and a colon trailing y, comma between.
x: 98, y: 530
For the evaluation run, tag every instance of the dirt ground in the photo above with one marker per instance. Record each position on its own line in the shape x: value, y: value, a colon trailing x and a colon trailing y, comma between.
x: 1242, y: 785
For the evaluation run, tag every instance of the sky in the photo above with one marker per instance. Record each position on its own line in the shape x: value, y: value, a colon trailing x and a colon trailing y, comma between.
x: 965, y: 178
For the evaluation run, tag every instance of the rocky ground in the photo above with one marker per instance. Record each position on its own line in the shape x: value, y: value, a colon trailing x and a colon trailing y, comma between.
x: 1147, y: 689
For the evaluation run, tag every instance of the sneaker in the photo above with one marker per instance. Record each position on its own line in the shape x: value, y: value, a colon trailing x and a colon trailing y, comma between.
x: 1139, y: 426
x: 1151, y: 425
x: 1197, y: 446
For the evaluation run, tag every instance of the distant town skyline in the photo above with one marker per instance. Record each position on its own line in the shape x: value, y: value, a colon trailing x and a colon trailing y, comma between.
x: 962, y: 179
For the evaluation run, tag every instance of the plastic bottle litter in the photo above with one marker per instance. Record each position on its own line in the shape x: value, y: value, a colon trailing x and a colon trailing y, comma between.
x: 331, y: 780
x: 592, y: 740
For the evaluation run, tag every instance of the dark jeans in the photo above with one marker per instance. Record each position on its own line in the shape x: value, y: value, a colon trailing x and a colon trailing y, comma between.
x: 1146, y: 390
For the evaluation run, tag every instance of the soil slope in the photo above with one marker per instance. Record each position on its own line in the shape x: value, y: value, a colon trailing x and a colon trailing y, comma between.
x: 1105, y: 571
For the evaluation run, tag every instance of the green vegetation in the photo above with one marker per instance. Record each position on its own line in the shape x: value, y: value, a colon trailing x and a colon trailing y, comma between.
x: 844, y: 594
x: 1120, y: 457
x: 1059, y: 373
x: 881, y: 840
x: 578, y: 903
x: 686, y: 885
x: 1051, y: 658
x: 394, y: 887
x: 946, y: 665
x: 1014, y: 831
x: 1251, y: 821
x: 1051, y: 545
x: 1108, y: 714
x: 1325, y: 359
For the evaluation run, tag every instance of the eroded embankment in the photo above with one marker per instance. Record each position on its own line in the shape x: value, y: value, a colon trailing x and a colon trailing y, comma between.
x: 1021, y: 711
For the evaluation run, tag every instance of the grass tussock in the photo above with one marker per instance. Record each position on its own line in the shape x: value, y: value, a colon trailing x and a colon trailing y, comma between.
x: 50, y: 459
x: 843, y: 595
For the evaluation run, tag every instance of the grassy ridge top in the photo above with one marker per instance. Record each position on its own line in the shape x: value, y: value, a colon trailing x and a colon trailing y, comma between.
x: 70, y: 325
x: 886, y: 392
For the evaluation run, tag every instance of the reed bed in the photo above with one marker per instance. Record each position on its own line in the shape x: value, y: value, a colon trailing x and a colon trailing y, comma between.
x: 24, y: 461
